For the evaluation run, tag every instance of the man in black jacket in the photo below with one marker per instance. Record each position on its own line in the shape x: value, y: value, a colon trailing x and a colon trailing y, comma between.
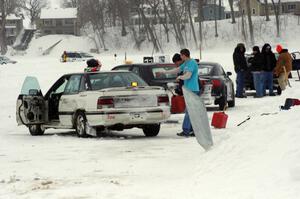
x: 257, y: 71
x: 269, y: 63
x: 240, y: 67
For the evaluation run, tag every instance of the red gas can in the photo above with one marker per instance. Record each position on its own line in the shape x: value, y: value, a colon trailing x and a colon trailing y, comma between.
x: 219, y: 120
x: 177, y: 104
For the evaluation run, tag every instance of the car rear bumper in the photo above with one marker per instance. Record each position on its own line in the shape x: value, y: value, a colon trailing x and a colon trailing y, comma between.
x: 128, y: 117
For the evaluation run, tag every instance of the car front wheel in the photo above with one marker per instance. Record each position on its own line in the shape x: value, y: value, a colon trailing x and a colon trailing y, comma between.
x: 80, y: 124
x: 151, y: 130
x: 232, y: 102
x: 36, y: 130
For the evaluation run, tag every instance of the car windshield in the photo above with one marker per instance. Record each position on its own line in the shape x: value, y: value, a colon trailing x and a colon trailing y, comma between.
x: 4, y: 58
x: 85, y: 55
x: 111, y: 80
x: 205, y: 70
x: 73, y: 55
x: 156, y: 71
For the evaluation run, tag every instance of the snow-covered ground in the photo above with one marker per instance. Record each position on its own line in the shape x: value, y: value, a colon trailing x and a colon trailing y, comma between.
x: 257, y: 160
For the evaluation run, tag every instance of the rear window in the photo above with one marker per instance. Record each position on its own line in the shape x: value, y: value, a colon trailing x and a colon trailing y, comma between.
x: 111, y: 80
x: 205, y: 70
x: 156, y: 71
x: 85, y: 55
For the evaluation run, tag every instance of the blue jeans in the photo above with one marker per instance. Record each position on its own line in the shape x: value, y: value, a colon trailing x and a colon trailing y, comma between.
x: 186, y: 125
x: 258, y: 80
x: 268, y: 82
x: 240, y: 81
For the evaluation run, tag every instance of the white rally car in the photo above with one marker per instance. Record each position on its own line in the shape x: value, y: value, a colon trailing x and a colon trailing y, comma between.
x: 113, y: 100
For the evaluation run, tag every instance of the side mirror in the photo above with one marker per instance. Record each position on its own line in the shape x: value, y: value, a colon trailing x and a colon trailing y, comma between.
x: 229, y: 73
x: 33, y: 92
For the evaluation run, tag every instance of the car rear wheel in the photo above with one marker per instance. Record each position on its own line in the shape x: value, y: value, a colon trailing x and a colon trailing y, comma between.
x: 36, y: 130
x: 151, y: 130
x: 80, y: 124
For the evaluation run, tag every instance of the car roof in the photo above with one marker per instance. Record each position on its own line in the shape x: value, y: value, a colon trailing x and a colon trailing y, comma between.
x: 115, y: 71
x: 209, y: 63
x: 167, y: 64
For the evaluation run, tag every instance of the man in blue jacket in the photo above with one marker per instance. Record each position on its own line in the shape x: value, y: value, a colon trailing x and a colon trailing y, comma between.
x: 190, y: 77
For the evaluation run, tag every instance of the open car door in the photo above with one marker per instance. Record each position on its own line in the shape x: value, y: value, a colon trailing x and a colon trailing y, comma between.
x: 31, y: 106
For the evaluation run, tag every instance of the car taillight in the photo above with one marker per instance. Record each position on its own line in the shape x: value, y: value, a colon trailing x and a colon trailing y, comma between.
x: 203, y: 82
x: 163, y: 100
x: 216, y: 83
x: 105, y: 103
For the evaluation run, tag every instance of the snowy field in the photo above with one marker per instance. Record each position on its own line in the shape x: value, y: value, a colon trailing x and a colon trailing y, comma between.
x: 257, y: 160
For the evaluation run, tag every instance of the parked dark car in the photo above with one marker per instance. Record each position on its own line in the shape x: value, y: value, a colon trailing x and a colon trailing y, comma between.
x: 6, y: 60
x: 217, y: 87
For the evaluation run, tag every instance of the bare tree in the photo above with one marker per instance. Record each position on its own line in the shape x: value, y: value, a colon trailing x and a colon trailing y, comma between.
x: 188, y: 4
x: 215, y: 13
x: 33, y: 8
x: 243, y: 31
x: 200, y: 18
x: 232, y: 11
x: 6, y: 7
x: 92, y: 12
x: 277, y: 7
x: 148, y: 28
x: 267, y: 10
x: 174, y: 15
x: 248, y: 8
x: 122, y: 7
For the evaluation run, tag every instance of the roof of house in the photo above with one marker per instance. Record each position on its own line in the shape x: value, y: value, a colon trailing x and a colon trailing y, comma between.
x: 12, y: 17
x: 59, y: 13
x: 282, y: 1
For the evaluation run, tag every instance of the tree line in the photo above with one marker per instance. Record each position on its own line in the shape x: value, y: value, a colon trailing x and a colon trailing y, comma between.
x: 174, y: 16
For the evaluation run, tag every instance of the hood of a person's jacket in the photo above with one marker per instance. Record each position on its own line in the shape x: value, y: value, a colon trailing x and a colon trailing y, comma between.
x: 284, y: 51
x: 264, y: 48
x: 237, y: 48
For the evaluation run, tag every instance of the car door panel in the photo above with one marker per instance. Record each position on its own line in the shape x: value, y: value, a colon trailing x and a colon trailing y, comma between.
x: 70, y: 101
x: 31, y: 106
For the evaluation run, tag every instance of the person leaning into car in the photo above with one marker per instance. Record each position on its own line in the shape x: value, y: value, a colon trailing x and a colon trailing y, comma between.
x: 189, y: 69
x: 190, y: 77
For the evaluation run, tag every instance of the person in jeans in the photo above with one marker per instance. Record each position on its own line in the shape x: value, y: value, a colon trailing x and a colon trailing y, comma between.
x: 269, y: 63
x: 257, y: 71
x: 190, y: 77
x: 240, y: 67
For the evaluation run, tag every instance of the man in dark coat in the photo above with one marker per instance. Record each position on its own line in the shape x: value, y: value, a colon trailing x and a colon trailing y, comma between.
x: 240, y: 67
x: 257, y: 71
x: 269, y: 63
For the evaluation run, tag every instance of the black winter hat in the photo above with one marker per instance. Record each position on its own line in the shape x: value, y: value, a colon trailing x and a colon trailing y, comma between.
x: 176, y: 58
x: 256, y: 48
x: 92, y: 63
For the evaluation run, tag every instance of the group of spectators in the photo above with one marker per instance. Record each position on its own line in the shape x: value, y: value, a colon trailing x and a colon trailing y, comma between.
x: 263, y: 66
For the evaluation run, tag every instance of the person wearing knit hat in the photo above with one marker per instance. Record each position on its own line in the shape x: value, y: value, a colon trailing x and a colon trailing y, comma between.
x: 279, y: 48
x: 283, y: 66
x: 257, y: 71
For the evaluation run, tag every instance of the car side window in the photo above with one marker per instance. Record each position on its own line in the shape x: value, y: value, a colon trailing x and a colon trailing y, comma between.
x: 73, y: 85
x: 61, y: 88
x: 136, y: 70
